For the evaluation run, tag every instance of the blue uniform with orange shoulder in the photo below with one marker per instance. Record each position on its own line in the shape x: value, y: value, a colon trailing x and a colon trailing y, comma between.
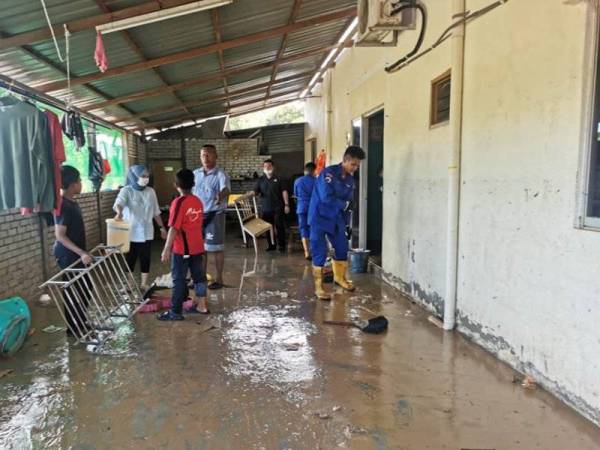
x: 303, y: 189
x: 328, y: 214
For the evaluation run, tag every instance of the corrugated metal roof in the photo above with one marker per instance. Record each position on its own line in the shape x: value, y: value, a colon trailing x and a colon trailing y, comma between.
x: 312, y: 8
x: 243, y: 17
x: 313, y: 37
x: 174, y: 35
x: 191, y: 69
x: 18, y: 16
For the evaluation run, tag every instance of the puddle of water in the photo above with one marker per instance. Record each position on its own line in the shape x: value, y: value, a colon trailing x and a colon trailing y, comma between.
x: 269, y: 347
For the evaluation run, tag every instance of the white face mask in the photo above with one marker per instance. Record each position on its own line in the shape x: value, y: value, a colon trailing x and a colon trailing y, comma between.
x: 306, y: 173
x: 143, y: 181
x: 268, y: 172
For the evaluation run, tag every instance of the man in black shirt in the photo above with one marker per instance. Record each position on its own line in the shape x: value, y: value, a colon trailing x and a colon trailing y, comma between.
x: 275, y: 202
x: 69, y: 248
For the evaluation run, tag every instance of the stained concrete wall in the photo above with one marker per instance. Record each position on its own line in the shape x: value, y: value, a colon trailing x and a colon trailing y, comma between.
x: 528, y: 283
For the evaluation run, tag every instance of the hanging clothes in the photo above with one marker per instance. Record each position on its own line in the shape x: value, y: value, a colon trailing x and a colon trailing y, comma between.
x: 95, y: 167
x: 100, y: 54
x: 58, y: 153
x: 72, y: 128
x: 25, y: 157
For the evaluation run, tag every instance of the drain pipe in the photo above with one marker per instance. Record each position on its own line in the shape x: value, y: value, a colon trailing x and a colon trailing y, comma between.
x: 454, y: 161
x: 329, y: 119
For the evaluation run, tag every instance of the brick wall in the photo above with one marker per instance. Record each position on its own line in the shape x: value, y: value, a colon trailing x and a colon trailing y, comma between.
x: 24, y: 244
x: 163, y: 149
x: 136, y: 150
x: 237, y: 156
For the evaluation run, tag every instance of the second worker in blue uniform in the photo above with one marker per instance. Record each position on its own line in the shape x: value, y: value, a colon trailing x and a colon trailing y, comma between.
x: 328, y: 217
x: 303, y: 189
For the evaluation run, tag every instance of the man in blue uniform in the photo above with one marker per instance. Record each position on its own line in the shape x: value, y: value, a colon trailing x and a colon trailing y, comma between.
x: 303, y: 189
x: 328, y: 217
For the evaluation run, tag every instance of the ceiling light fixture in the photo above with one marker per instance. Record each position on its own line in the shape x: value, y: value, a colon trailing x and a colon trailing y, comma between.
x: 163, y: 14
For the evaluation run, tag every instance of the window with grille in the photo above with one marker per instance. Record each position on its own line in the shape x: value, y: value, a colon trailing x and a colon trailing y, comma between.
x: 440, y: 99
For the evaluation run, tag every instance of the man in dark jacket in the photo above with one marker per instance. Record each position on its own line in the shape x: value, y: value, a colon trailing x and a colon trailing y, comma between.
x: 275, y: 202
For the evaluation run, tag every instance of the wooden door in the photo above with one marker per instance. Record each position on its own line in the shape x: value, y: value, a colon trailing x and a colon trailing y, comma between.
x: 163, y: 175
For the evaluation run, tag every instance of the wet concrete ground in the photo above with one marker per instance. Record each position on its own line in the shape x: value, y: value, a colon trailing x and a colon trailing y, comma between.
x: 274, y: 377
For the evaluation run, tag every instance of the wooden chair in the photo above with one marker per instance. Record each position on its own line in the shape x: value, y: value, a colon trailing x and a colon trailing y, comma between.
x: 247, y: 213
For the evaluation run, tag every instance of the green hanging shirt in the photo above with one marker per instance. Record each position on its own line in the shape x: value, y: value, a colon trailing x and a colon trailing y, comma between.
x: 26, y: 162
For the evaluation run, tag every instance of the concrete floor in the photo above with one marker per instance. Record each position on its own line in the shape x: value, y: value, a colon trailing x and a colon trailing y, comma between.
x: 275, y: 377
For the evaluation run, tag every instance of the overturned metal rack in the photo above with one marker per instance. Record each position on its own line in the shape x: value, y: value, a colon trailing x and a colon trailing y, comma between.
x: 99, y: 298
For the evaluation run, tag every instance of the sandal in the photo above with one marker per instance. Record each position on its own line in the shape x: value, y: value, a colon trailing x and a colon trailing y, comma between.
x: 215, y: 285
x: 169, y: 315
x: 194, y: 310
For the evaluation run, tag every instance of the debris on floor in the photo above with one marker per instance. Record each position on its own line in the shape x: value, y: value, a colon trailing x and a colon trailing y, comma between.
x: 5, y: 372
x: 527, y: 382
x: 165, y: 281
x: 53, y: 329
x: 350, y: 430
x: 437, y: 322
x: 44, y: 299
x: 211, y: 323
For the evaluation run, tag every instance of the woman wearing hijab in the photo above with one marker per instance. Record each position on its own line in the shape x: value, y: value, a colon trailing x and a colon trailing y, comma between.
x: 137, y: 203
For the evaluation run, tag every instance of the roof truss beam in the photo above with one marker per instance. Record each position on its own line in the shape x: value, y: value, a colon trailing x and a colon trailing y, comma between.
x: 282, y: 47
x: 42, y: 34
x: 201, y: 51
x: 208, y: 78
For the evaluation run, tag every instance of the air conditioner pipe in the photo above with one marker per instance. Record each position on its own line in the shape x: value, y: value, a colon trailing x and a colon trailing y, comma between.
x: 454, y: 164
x: 412, y: 4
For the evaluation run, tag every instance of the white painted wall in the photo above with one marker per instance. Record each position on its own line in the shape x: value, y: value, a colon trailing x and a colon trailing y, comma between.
x: 528, y: 279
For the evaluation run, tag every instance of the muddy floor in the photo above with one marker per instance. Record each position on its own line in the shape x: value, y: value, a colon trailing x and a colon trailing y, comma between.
x: 271, y: 376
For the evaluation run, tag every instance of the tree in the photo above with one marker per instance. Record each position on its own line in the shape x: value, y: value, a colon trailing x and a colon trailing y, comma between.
x: 288, y: 113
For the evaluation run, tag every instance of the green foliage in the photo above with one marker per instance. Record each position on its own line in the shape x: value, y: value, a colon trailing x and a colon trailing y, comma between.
x: 288, y: 113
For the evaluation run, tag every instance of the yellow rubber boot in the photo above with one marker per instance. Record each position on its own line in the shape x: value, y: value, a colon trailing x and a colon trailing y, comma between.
x: 319, y: 290
x: 306, y: 246
x: 339, y: 275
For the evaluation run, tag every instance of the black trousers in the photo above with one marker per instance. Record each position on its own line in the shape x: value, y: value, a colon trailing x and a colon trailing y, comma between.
x: 141, y: 250
x: 277, y: 219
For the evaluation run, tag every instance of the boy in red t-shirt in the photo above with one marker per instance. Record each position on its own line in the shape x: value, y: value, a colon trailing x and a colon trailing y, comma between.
x: 185, y: 247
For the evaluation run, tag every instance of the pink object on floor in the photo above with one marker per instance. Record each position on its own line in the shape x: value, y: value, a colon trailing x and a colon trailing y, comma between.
x: 157, y: 303
x: 100, y: 54
x: 149, y: 307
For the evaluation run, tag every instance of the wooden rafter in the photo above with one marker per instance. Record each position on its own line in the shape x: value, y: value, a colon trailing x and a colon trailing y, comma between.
x: 201, y: 51
x: 231, y: 95
x: 284, y: 42
x: 208, y: 78
x: 217, y: 32
x: 41, y: 34
x: 48, y: 62
x: 138, y: 51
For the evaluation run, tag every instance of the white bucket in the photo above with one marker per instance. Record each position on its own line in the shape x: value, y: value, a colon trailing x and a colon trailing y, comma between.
x: 117, y: 234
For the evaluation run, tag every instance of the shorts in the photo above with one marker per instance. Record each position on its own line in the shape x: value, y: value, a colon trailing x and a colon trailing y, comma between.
x: 213, y: 231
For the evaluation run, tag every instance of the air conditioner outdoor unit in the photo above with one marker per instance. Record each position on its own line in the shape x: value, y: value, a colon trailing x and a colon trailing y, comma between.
x: 378, y: 27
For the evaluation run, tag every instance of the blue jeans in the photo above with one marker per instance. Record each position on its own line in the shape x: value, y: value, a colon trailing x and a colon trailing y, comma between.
x: 179, y: 268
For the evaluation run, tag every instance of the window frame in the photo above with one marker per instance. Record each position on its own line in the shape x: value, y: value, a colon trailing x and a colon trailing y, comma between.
x: 433, y: 112
x: 590, y: 95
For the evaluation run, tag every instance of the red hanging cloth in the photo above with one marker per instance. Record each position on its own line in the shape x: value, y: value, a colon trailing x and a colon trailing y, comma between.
x: 100, y: 54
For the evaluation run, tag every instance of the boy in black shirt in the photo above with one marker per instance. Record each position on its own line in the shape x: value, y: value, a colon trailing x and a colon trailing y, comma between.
x: 70, y: 247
